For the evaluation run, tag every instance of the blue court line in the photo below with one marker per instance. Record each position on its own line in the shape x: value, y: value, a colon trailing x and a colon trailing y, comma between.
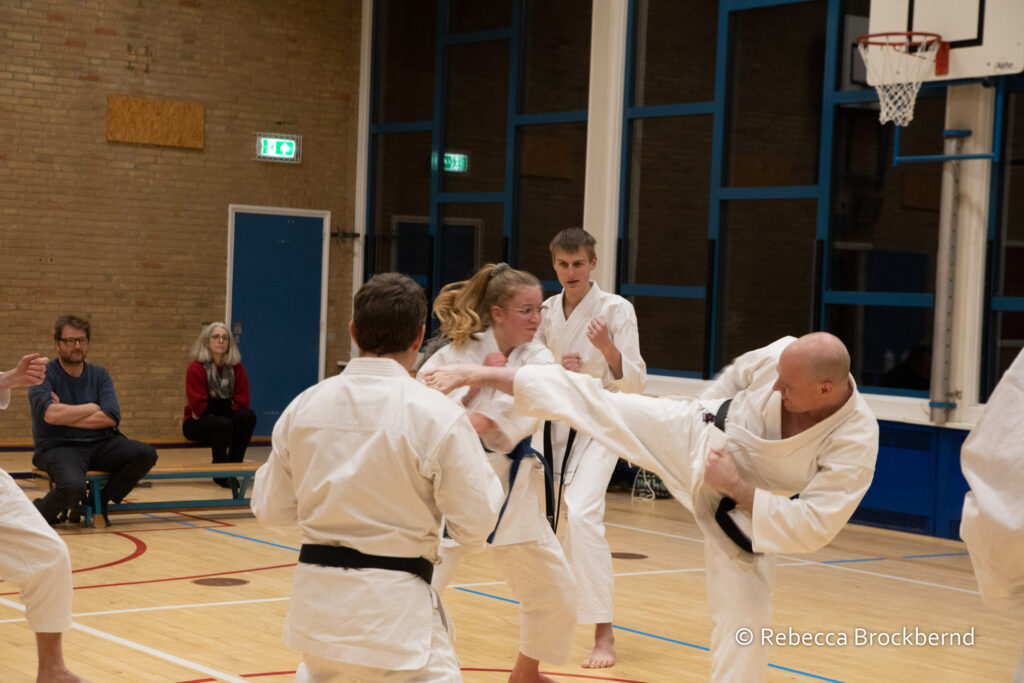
x: 221, y: 531
x: 664, y: 638
x: 915, y: 557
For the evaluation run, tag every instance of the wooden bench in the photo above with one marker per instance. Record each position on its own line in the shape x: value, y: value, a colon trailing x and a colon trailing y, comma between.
x: 242, y: 471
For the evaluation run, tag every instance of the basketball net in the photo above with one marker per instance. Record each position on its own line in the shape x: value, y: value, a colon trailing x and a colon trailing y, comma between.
x: 897, y: 63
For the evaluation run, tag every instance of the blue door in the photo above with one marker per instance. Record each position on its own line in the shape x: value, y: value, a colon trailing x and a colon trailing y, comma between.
x: 276, y: 307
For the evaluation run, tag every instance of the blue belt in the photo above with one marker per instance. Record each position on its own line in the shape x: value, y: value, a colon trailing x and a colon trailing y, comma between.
x: 521, y: 451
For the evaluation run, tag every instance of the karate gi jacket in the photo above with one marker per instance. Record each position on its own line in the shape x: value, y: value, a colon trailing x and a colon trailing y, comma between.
x: 830, y: 465
x: 371, y: 459
x: 992, y: 459
x: 563, y: 336
x: 524, y: 516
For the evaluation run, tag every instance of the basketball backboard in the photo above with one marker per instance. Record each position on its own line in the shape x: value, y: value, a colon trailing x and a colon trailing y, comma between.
x: 986, y: 37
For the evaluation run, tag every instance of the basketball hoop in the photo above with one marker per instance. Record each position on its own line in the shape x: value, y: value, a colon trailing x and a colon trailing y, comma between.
x: 897, y: 63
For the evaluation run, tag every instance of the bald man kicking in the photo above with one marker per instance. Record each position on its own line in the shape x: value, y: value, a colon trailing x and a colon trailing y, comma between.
x: 781, y: 420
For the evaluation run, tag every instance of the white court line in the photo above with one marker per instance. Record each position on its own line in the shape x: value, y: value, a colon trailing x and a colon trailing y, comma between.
x: 144, y: 649
x: 799, y: 561
x: 162, y: 607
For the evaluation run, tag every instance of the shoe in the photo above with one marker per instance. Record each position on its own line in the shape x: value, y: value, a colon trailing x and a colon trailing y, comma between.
x: 38, y: 503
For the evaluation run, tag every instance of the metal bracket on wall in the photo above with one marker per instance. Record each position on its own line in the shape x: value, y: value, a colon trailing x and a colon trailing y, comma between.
x: 346, y: 235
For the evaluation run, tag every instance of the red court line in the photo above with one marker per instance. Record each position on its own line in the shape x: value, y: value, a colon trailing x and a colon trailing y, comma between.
x: 140, y: 548
x: 186, y: 578
x: 559, y: 674
x: 269, y: 673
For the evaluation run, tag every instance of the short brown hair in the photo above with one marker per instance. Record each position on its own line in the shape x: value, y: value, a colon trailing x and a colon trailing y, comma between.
x: 387, y: 313
x: 572, y: 240
x: 75, y: 322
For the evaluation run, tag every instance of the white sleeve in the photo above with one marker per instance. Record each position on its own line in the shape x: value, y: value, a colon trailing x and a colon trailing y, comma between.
x: 466, y: 489
x: 498, y: 407
x: 5, y: 397
x: 655, y: 433
x: 810, y: 521
x: 273, y: 492
x: 739, y: 374
x: 626, y: 337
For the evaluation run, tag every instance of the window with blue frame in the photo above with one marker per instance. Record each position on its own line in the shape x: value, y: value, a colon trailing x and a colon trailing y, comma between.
x: 498, y: 87
x: 667, y: 165
x: 1005, y: 332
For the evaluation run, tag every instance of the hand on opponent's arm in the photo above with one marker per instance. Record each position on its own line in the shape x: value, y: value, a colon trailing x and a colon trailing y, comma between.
x: 29, y: 371
x: 494, y: 359
x: 447, y: 378
x: 597, y: 333
x: 720, y: 474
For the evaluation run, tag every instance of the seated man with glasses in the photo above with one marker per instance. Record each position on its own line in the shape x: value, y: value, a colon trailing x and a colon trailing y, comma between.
x: 74, y: 426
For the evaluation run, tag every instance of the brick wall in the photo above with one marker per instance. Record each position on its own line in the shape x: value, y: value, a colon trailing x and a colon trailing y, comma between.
x: 135, y: 236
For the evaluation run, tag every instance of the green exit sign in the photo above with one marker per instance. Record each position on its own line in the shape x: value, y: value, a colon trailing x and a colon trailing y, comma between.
x: 456, y: 163
x: 286, y: 148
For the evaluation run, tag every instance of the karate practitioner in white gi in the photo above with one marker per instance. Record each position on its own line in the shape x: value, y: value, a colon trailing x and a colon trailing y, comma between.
x: 796, y: 424
x: 32, y: 556
x: 992, y: 525
x: 592, y: 332
x: 364, y: 465
x: 491, y: 320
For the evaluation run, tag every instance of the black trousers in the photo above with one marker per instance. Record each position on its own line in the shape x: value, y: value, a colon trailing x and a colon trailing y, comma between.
x: 125, y: 459
x: 228, y: 435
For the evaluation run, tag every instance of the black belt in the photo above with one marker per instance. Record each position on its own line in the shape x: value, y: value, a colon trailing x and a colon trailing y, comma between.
x: 727, y: 504
x: 554, y: 501
x: 350, y: 558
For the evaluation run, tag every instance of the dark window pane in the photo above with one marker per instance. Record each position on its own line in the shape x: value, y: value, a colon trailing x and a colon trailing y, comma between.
x: 671, y: 332
x: 470, y: 237
x: 767, y: 273
x: 675, y: 45
x: 669, y: 187
x: 549, y: 190
x: 467, y: 16
x: 890, y: 346
x: 476, y: 114
x: 885, y: 219
x: 401, y: 196
x: 1008, y: 331
x: 1011, y: 256
x: 405, y: 61
x: 556, y: 56
x: 775, y: 105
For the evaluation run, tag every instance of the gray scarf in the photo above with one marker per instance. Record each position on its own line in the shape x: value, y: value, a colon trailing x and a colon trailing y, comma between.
x: 222, y: 385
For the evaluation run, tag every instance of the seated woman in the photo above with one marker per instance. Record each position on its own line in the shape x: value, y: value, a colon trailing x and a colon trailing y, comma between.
x: 217, y: 390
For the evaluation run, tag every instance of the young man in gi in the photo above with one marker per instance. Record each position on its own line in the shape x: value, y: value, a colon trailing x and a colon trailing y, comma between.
x: 795, y: 424
x: 363, y: 466
x: 595, y: 333
x: 32, y: 556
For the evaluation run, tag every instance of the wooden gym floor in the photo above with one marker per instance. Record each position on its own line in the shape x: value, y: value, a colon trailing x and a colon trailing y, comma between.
x: 201, y: 596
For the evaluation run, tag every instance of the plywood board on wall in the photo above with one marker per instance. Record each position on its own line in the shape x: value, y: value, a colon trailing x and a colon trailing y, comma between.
x: 171, y: 123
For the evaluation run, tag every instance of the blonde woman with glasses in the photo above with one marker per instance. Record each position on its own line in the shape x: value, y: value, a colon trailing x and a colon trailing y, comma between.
x: 217, y: 390
x: 491, y: 320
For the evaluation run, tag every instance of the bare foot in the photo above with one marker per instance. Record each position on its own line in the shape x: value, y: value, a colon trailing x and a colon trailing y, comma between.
x: 603, y: 654
x: 58, y: 676
x: 526, y: 671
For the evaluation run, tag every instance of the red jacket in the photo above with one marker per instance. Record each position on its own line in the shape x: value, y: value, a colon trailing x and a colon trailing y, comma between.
x: 197, y: 389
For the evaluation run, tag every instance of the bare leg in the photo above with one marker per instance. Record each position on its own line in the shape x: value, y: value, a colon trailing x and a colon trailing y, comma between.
x: 603, y: 654
x: 51, y: 660
x: 527, y: 670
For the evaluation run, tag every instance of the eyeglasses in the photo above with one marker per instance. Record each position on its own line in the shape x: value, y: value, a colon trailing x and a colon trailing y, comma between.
x: 71, y: 341
x: 220, y: 337
x: 530, y: 311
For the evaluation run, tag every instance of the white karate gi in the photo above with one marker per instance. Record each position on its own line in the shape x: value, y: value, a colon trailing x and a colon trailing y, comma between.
x: 33, y: 557
x: 371, y: 459
x: 591, y: 465
x: 524, y: 547
x: 830, y: 465
x: 992, y: 460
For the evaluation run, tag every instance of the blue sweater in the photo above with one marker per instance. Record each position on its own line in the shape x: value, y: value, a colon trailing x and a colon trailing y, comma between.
x: 92, y: 386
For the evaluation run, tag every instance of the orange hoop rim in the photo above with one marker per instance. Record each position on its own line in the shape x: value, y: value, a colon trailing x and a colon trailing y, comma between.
x: 881, y: 39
